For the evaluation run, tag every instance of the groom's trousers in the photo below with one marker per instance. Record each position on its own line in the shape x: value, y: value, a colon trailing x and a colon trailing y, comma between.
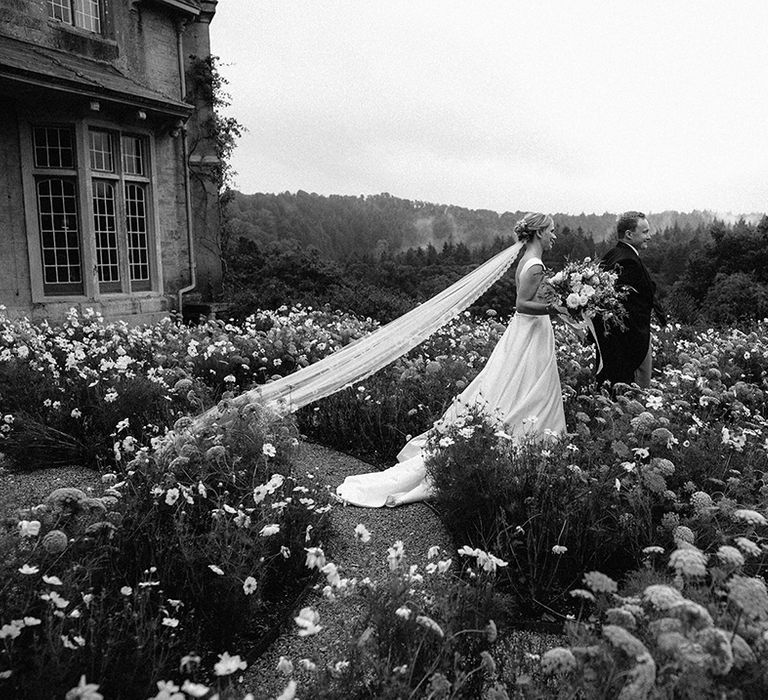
x: 643, y: 372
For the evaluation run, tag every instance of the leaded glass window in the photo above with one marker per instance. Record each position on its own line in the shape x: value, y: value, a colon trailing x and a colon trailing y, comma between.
x: 115, y: 191
x: 105, y: 230
x: 85, y: 14
x: 133, y: 155
x: 59, y: 234
x: 100, y: 149
x: 138, y: 240
x: 54, y: 147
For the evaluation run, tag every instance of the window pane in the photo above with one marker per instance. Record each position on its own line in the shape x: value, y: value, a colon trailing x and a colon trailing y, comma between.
x: 60, y: 9
x: 87, y: 15
x: 54, y: 147
x: 59, y: 231
x: 133, y: 155
x: 105, y: 230
x: 101, y: 151
x: 138, y: 240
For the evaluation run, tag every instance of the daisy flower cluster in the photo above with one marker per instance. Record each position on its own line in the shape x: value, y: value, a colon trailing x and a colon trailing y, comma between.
x: 176, y: 540
x: 67, y: 386
x: 675, y: 472
x: 413, y: 628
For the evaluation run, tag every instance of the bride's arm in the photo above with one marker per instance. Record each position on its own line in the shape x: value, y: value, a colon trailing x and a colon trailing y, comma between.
x: 526, y: 293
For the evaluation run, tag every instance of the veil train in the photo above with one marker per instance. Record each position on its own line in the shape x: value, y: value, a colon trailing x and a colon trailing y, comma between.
x: 364, y: 357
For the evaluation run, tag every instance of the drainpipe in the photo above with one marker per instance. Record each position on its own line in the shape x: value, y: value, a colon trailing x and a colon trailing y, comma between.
x: 187, y: 188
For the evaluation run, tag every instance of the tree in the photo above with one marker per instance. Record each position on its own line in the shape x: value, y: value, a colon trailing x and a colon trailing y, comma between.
x: 736, y: 298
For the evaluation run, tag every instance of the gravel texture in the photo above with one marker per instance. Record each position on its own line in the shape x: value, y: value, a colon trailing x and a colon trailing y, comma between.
x: 25, y: 489
x: 417, y: 525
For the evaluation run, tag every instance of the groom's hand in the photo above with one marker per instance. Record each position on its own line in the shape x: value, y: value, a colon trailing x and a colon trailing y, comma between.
x: 578, y: 327
x: 582, y: 335
x: 546, y: 295
x: 557, y: 310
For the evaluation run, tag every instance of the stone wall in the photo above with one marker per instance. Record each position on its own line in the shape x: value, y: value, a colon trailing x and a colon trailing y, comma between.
x: 14, y: 261
x: 140, y: 40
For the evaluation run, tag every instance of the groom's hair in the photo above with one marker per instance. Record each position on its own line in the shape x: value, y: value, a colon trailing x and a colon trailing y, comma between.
x: 628, y: 222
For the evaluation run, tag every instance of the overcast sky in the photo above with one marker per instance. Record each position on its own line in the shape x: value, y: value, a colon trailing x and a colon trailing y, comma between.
x: 569, y: 106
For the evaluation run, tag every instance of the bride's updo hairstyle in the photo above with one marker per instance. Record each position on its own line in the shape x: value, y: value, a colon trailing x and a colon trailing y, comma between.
x: 526, y: 228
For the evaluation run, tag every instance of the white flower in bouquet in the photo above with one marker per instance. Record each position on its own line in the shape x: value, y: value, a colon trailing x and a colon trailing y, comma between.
x: 573, y: 301
x: 587, y: 291
x: 557, y: 278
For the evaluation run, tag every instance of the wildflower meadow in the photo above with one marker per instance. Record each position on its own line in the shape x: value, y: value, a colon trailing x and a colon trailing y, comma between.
x: 642, y: 534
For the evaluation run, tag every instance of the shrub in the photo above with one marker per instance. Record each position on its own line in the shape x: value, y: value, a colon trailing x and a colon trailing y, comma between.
x: 200, y: 545
x: 65, y: 389
x: 545, y: 508
x: 699, y: 634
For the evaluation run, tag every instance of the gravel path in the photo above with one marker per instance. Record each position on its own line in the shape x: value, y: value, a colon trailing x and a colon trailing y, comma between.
x: 24, y: 489
x: 417, y: 525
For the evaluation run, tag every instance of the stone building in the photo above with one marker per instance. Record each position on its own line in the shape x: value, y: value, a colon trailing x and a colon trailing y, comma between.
x: 108, y: 194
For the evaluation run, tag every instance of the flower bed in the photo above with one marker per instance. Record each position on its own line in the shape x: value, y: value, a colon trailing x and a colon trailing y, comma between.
x: 375, y: 418
x: 194, y: 549
x: 69, y: 393
x: 422, y: 632
x: 689, y: 623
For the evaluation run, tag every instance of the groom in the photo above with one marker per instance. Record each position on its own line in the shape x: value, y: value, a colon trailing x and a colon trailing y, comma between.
x: 626, y: 354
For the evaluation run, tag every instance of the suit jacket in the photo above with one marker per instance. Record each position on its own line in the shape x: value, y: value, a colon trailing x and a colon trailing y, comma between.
x: 623, y: 351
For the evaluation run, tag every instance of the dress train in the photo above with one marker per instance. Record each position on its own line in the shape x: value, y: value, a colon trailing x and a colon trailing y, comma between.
x: 519, y: 385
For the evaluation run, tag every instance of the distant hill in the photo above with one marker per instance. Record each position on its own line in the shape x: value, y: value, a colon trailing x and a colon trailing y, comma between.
x: 603, y: 226
x: 340, y: 225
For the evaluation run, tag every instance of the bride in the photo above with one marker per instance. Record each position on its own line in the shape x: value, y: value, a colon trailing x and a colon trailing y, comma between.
x: 519, y: 384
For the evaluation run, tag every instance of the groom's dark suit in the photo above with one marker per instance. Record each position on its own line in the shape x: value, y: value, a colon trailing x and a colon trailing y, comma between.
x: 624, y: 351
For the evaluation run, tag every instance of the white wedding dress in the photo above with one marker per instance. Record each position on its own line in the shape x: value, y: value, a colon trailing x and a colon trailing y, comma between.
x: 519, y: 386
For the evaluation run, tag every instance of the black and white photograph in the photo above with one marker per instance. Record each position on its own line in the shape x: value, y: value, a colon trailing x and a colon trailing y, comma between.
x: 360, y: 350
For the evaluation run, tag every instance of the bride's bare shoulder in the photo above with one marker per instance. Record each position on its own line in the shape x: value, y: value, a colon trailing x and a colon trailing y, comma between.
x: 528, y: 270
x: 529, y: 263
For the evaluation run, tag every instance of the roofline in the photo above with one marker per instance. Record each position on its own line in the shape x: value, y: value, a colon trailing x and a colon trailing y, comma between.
x: 181, y: 5
x: 177, y: 109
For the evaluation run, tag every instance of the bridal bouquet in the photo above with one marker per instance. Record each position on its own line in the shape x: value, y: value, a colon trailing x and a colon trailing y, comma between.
x: 587, y: 290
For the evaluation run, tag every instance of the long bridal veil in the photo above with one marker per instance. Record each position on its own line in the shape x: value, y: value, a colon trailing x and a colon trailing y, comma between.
x: 369, y: 354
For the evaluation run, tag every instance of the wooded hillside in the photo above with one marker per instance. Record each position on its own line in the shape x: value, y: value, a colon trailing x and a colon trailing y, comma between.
x: 379, y: 255
x: 340, y: 226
